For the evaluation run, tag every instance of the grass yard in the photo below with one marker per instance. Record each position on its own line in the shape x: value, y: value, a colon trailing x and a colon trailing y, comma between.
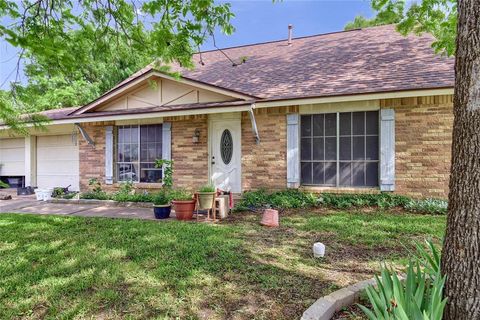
x: 54, y: 267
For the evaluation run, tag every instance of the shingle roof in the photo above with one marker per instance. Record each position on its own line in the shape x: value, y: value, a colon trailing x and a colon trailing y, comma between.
x: 377, y: 59
x: 367, y: 60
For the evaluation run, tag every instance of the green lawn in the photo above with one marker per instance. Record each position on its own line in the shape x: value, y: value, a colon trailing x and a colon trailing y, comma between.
x: 56, y: 267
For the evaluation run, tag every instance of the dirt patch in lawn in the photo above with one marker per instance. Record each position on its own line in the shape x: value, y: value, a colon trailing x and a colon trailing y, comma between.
x: 55, y: 267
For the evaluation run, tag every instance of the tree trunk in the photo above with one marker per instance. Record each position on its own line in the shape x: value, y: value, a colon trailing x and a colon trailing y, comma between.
x: 461, y: 251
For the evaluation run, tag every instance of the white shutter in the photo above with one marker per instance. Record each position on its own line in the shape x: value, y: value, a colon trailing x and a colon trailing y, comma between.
x: 387, y: 150
x: 109, y: 155
x: 167, y: 141
x: 293, y: 160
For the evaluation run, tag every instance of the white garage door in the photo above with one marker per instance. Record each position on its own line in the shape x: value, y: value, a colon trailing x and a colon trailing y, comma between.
x: 57, y: 162
x: 12, y: 157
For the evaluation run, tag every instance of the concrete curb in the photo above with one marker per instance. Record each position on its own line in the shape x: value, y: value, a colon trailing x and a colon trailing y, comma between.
x: 325, y: 307
x: 107, y: 203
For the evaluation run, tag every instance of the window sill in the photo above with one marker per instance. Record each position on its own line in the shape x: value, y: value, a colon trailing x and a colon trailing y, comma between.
x: 318, y: 189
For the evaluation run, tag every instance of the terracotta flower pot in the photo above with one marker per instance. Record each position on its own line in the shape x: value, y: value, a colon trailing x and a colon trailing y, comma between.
x: 184, y: 209
x: 270, y: 218
x: 205, y: 200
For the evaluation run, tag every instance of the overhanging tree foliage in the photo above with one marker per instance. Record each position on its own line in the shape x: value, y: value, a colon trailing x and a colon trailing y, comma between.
x: 92, y: 44
x: 388, y: 13
x: 437, y: 17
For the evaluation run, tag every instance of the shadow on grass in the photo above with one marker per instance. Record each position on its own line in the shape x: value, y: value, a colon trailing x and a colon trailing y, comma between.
x: 73, y: 267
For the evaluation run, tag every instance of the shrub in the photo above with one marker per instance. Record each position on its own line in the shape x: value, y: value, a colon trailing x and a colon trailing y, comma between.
x: 124, y: 193
x: 419, y: 296
x: 4, y: 185
x: 382, y: 200
x: 431, y: 206
x: 101, y: 195
x: 293, y: 198
x: 287, y: 199
x: 58, y: 192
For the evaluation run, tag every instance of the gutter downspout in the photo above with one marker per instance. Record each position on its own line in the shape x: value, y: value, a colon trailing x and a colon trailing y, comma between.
x: 85, y: 135
x: 254, y: 123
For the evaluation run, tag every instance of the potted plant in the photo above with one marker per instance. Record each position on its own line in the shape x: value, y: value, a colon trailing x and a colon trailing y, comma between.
x: 183, y: 204
x: 206, y: 196
x: 161, y: 205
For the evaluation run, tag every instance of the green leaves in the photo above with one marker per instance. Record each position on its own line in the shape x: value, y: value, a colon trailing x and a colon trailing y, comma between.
x: 75, y: 50
x: 417, y: 297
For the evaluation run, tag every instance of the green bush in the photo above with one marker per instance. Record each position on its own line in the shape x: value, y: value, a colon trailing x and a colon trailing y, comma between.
x: 381, y: 200
x: 417, y: 297
x: 431, y: 206
x: 287, y: 199
x: 293, y: 198
x: 98, y: 195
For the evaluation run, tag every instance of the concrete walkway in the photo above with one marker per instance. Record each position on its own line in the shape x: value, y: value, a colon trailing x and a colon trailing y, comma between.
x: 28, y: 204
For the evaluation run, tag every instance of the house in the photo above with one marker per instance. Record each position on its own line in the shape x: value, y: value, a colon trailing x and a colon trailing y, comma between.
x: 354, y: 111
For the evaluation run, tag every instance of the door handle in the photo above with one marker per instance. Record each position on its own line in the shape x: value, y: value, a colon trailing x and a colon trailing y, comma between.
x: 213, y: 160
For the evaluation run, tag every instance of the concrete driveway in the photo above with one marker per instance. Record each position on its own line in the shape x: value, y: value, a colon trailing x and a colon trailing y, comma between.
x: 28, y: 204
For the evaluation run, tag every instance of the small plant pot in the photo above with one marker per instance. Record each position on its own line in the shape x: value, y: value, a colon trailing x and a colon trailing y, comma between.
x: 184, y: 209
x: 162, y: 211
x: 205, y: 200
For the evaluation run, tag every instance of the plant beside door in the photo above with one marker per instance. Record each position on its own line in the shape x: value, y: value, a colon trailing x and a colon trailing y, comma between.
x: 183, y: 204
x: 206, y: 197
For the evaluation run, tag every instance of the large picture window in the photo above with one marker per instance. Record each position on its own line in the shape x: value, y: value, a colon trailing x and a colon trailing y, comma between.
x: 340, y: 149
x: 137, y: 149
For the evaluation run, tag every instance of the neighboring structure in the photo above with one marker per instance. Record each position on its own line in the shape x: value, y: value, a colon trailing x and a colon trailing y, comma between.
x: 357, y: 111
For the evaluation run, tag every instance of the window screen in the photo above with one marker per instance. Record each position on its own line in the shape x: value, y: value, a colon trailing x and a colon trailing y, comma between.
x: 137, y: 149
x: 340, y: 149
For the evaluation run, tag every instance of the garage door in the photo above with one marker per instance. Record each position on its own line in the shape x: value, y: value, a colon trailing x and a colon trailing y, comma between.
x: 12, y: 157
x: 57, y: 161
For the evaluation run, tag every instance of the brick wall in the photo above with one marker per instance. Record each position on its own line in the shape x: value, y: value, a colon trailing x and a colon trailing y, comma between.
x: 423, y: 140
x: 265, y: 164
x: 423, y: 130
x: 92, y: 159
x: 190, y: 159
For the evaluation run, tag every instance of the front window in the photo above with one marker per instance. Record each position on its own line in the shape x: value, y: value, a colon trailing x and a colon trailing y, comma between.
x: 137, y: 149
x: 340, y: 149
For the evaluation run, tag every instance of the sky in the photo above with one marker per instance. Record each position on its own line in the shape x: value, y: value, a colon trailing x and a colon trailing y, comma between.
x: 255, y: 21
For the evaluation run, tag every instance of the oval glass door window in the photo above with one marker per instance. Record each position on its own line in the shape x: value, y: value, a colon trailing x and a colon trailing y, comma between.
x: 226, y: 146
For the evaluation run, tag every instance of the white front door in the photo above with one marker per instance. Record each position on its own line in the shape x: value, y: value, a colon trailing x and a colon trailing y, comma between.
x: 225, y: 154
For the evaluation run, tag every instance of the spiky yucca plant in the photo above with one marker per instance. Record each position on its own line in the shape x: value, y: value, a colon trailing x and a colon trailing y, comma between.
x: 417, y: 297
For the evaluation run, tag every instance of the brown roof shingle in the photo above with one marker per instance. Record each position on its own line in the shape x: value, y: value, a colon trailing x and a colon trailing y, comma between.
x: 370, y: 60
